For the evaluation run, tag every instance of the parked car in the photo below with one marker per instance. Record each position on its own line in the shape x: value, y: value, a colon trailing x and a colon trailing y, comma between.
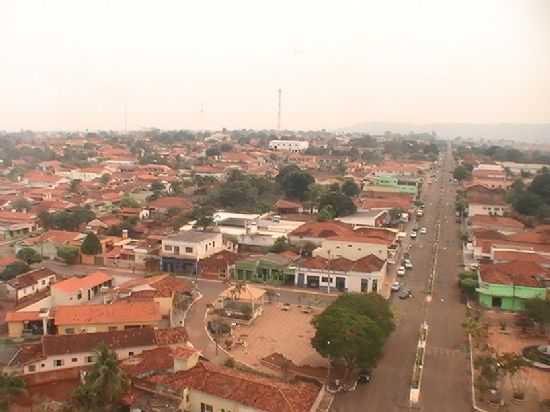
x: 423, y: 231
x: 401, y: 271
x: 405, y: 294
x: 408, y: 264
x: 364, y: 377
x: 413, y: 235
x: 395, y: 286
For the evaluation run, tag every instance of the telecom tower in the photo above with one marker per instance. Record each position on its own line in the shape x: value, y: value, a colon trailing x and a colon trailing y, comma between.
x: 279, y: 112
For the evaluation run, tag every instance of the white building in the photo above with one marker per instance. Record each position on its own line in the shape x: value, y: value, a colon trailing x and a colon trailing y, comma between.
x: 289, y: 145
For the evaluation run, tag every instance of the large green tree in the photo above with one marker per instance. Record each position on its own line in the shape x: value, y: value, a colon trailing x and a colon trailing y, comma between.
x: 103, y: 386
x: 68, y: 254
x: 461, y: 173
x: 340, y: 203
x: 91, y: 245
x: 29, y: 255
x: 294, y: 181
x: 353, y: 329
x: 14, y: 269
x: 350, y: 188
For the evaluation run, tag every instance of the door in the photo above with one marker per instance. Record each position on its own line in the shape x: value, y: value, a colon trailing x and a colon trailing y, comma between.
x: 301, y: 280
x: 340, y: 283
x: 497, y: 302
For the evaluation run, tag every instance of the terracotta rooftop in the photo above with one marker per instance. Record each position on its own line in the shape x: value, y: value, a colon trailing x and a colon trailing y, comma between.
x: 521, y: 256
x: 261, y: 393
x: 322, y: 229
x: 131, y: 312
x: 74, y: 284
x: 287, y: 204
x: 513, y: 273
x: 367, y: 264
x: 492, y: 221
x: 30, y: 278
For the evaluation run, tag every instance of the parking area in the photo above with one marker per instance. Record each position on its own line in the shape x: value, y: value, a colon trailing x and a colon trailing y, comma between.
x: 284, y: 329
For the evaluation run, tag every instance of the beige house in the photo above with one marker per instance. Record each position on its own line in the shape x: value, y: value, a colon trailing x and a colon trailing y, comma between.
x: 182, y: 251
x: 55, y: 352
x: 105, y: 318
x: 77, y: 290
x: 30, y: 283
x: 194, y: 385
x: 353, y: 247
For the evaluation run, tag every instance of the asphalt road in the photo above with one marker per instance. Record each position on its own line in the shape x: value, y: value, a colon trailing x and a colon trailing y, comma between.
x: 445, y: 383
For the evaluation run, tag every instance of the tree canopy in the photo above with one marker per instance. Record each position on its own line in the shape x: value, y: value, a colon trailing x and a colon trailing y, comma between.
x: 29, y: 255
x: 91, y: 245
x: 350, y: 188
x: 294, y: 181
x: 341, y: 204
x: 353, y: 329
x: 68, y: 254
x: 103, y: 386
x: 14, y: 269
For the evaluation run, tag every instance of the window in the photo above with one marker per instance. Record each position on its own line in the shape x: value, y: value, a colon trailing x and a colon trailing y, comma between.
x: 188, y: 250
x: 74, y: 360
x: 58, y: 363
x: 130, y: 353
x: 206, y: 408
x: 214, y: 244
x: 43, y: 281
x: 374, y: 285
x: 89, y: 359
x: 32, y: 368
x: 364, y: 285
x: 168, y: 248
x: 176, y: 250
x: 69, y: 331
x: 79, y: 296
x: 113, y: 328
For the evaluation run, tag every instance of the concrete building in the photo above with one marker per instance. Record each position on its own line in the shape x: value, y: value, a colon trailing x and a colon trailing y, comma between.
x: 182, y: 251
x: 30, y: 283
x: 78, y: 290
x: 289, y: 145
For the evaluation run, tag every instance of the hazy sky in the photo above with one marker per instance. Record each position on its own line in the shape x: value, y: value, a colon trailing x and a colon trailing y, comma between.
x: 75, y: 64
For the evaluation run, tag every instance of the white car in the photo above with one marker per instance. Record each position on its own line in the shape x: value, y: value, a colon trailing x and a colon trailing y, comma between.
x: 401, y: 271
x: 413, y: 235
x: 423, y: 231
x: 395, y: 286
x: 408, y: 264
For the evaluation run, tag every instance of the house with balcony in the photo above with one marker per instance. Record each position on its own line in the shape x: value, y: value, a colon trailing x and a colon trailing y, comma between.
x: 181, y: 252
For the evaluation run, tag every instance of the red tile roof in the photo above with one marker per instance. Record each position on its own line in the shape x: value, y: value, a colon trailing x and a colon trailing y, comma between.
x: 87, y: 282
x: 265, y: 394
x: 496, y: 221
x: 287, y: 204
x: 367, y: 264
x: 132, y: 312
x: 322, y: 229
x: 513, y: 273
x: 520, y: 256
x: 30, y: 278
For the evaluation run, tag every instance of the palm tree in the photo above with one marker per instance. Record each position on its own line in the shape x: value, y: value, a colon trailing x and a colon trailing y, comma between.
x: 104, y: 384
x: 10, y: 387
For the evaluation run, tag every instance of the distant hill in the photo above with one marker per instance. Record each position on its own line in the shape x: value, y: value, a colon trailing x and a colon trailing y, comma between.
x: 508, y: 131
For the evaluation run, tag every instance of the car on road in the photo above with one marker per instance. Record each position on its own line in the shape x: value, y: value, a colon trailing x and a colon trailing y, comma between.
x: 405, y: 293
x: 401, y: 271
x: 364, y: 377
x: 413, y: 234
x: 395, y: 286
x: 408, y: 264
x: 423, y: 231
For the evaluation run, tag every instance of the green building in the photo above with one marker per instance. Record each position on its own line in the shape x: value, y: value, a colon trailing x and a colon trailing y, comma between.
x: 506, y: 286
x: 398, y: 184
x: 270, y: 268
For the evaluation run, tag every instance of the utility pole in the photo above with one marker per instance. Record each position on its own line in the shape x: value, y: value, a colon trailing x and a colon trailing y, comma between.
x: 280, y: 92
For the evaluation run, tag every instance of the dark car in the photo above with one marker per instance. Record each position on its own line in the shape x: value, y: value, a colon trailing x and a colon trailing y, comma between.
x: 364, y: 377
x: 405, y: 294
